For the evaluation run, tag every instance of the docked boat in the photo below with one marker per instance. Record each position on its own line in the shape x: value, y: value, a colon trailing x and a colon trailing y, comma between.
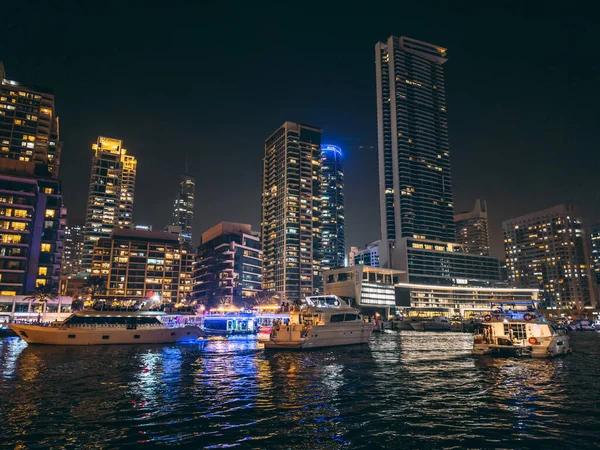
x: 403, y: 323
x: 90, y: 327
x: 321, y: 321
x: 522, y: 332
x: 437, y: 323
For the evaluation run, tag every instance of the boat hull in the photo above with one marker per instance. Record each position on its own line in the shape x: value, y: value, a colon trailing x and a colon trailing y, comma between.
x: 34, y: 334
x: 545, y: 348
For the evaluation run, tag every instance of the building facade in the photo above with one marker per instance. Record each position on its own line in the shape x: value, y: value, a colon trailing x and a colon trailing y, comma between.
x: 446, y: 264
x: 368, y: 256
x: 72, y: 251
x: 333, y: 244
x: 291, y: 212
x: 183, y: 208
x: 111, y: 193
x: 388, y: 292
x: 472, y: 229
x: 29, y: 128
x: 547, y: 250
x: 414, y: 154
x: 32, y: 223
x: 144, y: 265
x: 228, y: 265
x: 595, y: 252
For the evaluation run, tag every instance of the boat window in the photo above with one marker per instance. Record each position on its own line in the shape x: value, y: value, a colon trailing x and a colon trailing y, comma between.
x: 337, y: 318
x: 112, y: 320
x: 215, y: 324
x: 518, y: 330
x: 350, y: 317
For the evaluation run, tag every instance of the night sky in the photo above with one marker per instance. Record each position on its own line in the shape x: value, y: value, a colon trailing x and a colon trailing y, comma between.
x: 522, y: 93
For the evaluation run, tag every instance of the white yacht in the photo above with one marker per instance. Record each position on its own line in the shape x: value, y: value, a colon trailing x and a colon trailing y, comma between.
x: 519, y: 331
x: 90, y: 327
x: 322, y: 321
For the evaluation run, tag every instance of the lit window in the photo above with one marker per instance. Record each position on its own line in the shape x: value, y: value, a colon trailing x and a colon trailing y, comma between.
x: 46, y: 247
x: 50, y: 213
x: 43, y: 271
x: 40, y: 282
x: 48, y: 190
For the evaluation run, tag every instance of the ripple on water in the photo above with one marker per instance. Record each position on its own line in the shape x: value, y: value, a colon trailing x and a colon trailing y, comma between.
x: 404, y: 389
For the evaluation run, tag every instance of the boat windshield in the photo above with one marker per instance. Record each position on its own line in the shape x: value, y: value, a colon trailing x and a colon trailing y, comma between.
x: 112, y: 320
x: 323, y: 301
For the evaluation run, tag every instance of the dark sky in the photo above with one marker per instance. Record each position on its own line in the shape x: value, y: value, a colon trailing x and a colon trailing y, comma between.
x: 522, y: 91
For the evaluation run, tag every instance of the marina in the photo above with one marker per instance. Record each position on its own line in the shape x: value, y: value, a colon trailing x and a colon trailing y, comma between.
x: 402, y: 389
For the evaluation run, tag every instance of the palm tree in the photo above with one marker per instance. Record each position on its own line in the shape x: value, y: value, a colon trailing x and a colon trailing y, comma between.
x: 42, y: 295
x: 95, y: 285
x: 265, y: 298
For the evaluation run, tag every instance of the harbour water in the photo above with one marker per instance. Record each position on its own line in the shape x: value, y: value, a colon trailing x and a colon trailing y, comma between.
x: 405, y: 389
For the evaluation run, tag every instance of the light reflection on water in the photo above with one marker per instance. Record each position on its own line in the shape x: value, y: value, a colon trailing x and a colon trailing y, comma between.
x: 404, y: 389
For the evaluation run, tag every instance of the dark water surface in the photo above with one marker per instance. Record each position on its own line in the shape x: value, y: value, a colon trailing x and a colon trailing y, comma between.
x: 404, y: 390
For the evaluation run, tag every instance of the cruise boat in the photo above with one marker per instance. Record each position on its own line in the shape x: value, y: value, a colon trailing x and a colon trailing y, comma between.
x: 321, y: 321
x: 90, y: 327
x: 519, y: 331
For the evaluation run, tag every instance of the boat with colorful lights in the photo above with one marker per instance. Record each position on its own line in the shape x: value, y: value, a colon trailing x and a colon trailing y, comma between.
x: 518, y: 329
x: 321, y: 321
x: 90, y: 327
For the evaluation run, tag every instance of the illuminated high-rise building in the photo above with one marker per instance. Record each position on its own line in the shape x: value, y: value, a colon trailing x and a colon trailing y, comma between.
x: 595, y: 254
x: 72, y: 250
x: 29, y: 129
x: 414, y: 156
x: 111, y: 193
x: 547, y: 250
x: 183, y: 208
x: 472, y: 229
x: 333, y: 249
x: 291, y: 211
x: 32, y: 215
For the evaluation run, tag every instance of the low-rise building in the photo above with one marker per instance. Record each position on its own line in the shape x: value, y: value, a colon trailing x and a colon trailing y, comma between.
x: 387, y: 292
x: 144, y: 264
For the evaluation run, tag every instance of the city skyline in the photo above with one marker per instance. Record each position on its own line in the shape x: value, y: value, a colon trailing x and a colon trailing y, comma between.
x: 495, y: 145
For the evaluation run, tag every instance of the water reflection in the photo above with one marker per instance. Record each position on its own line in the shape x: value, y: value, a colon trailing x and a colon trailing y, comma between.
x: 404, y: 389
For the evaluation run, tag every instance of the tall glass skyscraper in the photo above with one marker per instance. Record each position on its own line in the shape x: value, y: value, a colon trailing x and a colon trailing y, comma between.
x: 414, y: 159
x: 291, y: 211
x: 332, y: 210
x: 183, y: 208
x: 111, y: 193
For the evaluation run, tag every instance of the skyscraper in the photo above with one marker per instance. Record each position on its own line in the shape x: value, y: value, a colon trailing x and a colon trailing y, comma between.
x: 547, y: 250
x: 472, y: 229
x: 595, y: 252
x: 29, y: 129
x: 32, y: 215
x: 111, y: 193
x: 414, y: 157
x: 72, y: 250
x: 183, y: 208
x: 291, y: 211
x: 332, y: 210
